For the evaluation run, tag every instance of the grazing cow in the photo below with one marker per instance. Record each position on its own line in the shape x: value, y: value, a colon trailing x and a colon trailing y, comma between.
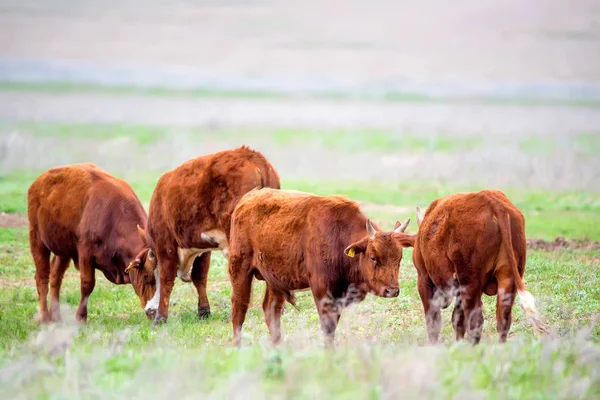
x: 81, y: 213
x: 469, y: 244
x: 294, y: 241
x: 190, y: 216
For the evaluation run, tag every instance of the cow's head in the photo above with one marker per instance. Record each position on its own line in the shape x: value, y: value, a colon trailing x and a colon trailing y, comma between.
x: 141, y: 272
x: 379, y: 255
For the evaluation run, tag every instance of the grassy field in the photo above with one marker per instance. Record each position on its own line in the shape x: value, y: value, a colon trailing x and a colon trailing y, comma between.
x: 204, y: 92
x: 381, y: 350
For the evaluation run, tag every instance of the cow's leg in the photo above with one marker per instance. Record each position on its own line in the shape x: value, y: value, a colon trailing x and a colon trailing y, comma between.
x: 431, y: 307
x: 473, y: 310
x: 504, y: 302
x: 58, y: 266
x: 241, y: 284
x: 167, y: 268
x: 329, y: 314
x: 87, y: 274
x: 458, y: 319
x: 41, y: 258
x: 200, y: 278
x: 273, y: 308
x: 240, y: 275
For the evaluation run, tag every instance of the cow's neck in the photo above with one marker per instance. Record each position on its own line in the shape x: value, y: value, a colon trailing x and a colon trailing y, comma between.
x: 355, y: 275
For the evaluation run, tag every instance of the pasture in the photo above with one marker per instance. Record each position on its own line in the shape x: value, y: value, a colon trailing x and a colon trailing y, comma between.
x: 381, y: 349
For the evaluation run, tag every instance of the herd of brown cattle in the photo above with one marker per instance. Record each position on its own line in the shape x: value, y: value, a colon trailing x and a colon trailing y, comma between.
x: 467, y: 244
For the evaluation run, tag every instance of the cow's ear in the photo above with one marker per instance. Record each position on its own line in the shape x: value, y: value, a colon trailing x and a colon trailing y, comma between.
x: 142, y: 233
x: 356, y: 248
x: 139, y: 261
x: 404, y: 239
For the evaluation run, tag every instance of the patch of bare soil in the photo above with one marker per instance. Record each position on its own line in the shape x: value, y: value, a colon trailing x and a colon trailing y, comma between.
x: 13, y: 220
x: 560, y: 243
x: 28, y: 282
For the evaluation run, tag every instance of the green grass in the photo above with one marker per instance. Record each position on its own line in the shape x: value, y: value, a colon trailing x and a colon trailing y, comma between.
x: 379, y: 342
x: 350, y: 141
x: 588, y: 143
x: 585, y: 144
x: 142, y: 134
x: 73, y: 87
x: 371, y: 140
x: 205, y: 92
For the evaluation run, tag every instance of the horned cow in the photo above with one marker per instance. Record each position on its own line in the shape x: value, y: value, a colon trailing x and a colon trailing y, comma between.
x: 81, y: 213
x: 295, y: 241
x: 190, y: 216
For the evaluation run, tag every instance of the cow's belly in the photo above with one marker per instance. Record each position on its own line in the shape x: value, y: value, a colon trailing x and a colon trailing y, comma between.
x: 291, y: 276
x: 186, y: 261
x: 60, y: 241
x: 214, y: 240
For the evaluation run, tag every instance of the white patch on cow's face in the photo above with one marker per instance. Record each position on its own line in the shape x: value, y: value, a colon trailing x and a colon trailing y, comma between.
x: 153, y: 303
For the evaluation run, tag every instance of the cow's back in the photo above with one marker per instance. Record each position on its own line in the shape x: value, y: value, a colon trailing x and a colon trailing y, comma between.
x: 292, y: 235
x: 262, y: 214
x: 55, y: 204
x: 464, y: 227
x: 201, y: 194
x: 67, y: 203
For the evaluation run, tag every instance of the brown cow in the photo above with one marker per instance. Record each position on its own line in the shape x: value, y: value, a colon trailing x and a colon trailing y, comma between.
x: 190, y: 216
x: 294, y: 241
x: 81, y: 213
x: 469, y: 244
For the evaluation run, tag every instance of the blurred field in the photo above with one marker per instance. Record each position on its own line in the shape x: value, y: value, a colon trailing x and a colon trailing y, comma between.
x: 392, y: 103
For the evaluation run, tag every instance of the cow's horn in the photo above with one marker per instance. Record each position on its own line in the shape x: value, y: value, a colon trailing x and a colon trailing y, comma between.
x: 402, y: 227
x: 419, y: 216
x: 370, y: 229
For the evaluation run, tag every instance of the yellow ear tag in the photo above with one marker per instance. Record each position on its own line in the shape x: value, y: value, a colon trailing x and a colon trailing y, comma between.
x: 129, y: 267
x: 351, y: 252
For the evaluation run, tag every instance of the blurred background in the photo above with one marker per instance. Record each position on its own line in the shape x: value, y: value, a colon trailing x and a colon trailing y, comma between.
x: 391, y: 102
x: 469, y: 93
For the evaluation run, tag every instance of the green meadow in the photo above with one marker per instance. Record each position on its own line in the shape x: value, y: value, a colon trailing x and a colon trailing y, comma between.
x: 381, y: 351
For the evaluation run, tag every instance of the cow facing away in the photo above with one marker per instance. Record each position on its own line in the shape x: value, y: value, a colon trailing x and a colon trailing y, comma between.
x: 469, y: 244
x: 81, y: 213
x: 190, y: 216
x: 296, y: 241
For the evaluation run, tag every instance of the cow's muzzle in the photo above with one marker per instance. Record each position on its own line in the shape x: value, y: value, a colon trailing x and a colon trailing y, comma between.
x: 151, y: 313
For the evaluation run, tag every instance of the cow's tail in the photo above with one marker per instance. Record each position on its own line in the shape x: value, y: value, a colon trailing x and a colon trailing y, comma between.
x: 527, y: 300
x: 290, y: 298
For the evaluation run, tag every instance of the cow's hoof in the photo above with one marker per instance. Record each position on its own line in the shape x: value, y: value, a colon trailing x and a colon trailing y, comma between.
x: 151, y: 313
x: 44, y: 318
x: 159, y: 320
x: 203, y: 312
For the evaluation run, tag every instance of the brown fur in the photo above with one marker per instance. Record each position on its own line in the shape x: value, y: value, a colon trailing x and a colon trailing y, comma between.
x: 81, y: 213
x: 469, y: 244
x: 296, y: 241
x: 198, y: 197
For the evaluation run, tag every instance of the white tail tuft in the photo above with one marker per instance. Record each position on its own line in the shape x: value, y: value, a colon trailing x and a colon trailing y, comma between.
x: 528, y: 306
